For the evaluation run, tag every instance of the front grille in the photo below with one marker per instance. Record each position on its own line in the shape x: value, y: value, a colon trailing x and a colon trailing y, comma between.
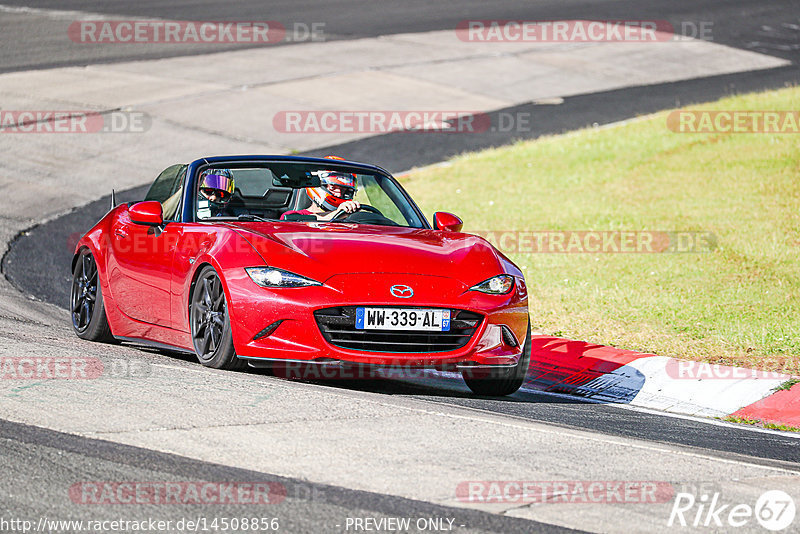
x: 338, y: 326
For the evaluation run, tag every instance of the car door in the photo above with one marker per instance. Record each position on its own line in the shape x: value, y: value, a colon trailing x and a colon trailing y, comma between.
x: 140, y: 279
x: 142, y: 255
x: 194, y: 239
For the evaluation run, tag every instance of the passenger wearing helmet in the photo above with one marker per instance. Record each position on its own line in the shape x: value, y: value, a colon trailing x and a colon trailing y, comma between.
x: 216, y: 191
x: 335, y: 194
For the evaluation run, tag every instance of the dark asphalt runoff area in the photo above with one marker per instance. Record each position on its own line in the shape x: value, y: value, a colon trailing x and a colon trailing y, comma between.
x: 40, y: 465
x: 39, y: 40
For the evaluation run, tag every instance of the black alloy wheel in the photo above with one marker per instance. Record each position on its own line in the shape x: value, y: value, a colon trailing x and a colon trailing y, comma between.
x: 86, y: 301
x: 210, y: 323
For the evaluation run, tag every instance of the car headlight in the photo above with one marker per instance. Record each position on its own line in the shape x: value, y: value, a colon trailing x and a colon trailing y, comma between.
x: 272, y: 277
x: 497, y: 285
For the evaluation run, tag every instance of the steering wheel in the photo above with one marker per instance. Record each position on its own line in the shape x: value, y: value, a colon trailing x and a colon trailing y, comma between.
x: 364, y: 207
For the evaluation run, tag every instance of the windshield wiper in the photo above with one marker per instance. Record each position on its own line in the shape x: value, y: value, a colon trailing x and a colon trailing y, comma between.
x: 250, y: 217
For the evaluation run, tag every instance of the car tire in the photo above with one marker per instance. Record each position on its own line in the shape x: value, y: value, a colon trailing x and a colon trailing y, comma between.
x: 86, y: 301
x: 210, y: 323
x: 504, y: 381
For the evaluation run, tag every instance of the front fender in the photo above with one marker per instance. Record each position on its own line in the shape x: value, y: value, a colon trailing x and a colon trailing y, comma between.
x: 97, y: 242
x: 228, y: 253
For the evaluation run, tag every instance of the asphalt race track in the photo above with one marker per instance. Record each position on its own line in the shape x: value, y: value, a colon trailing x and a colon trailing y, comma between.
x: 735, y: 23
x: 346, y: 449
x: 46, y: 245
x: 303, y: 506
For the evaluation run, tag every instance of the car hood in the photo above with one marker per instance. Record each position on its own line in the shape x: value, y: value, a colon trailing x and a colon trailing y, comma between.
x: 322, y: 250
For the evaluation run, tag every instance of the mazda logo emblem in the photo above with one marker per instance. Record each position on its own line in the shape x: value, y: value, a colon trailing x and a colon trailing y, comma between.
x: 401, y: 291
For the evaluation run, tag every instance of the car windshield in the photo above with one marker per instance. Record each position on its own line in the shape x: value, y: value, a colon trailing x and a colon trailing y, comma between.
x: 302, y: 192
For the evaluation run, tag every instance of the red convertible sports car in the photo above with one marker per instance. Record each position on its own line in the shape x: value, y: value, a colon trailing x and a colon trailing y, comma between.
x: 257, y: 260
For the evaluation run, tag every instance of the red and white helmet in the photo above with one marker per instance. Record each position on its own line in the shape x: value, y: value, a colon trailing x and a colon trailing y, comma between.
x: 323, y: 197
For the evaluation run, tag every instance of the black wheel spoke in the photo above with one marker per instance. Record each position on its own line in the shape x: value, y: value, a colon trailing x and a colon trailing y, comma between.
x: 214, y: 335
x: 216, y: 292
x: 84, y: 317
x: 77, y: 303
x: 205, y: 342
x: 207, y: 293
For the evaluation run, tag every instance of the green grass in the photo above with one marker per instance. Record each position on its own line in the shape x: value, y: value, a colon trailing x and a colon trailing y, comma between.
x: 762, y: 424
x: 737, y: 305
x: 789, y: 384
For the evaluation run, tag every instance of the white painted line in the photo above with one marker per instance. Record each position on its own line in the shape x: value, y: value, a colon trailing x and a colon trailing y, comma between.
x: 58, y: 13
x: 626, y: 406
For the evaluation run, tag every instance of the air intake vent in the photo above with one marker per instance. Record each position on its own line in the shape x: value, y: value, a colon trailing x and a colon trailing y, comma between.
x: 508, y: 336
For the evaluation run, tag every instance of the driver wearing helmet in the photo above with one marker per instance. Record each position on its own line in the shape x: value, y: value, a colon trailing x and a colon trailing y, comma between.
x: 335, y: 194
x: 216, y: 191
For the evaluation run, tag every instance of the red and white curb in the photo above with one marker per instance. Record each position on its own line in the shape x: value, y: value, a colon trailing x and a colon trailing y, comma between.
x: 607, y: 374
x: 781, y: 407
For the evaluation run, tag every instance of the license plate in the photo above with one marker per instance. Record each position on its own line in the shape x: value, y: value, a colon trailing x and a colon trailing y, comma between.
x: 402, y: 319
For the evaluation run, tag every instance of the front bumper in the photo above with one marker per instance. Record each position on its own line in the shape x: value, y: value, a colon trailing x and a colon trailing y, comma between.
x: 496, y: 339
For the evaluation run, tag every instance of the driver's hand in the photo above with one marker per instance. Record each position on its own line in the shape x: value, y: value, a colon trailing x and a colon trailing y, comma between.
x: 350, y: 206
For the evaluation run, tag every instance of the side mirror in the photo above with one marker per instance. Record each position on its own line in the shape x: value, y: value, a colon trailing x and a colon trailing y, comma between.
x: 447, y: 221
x: 148, y: 213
